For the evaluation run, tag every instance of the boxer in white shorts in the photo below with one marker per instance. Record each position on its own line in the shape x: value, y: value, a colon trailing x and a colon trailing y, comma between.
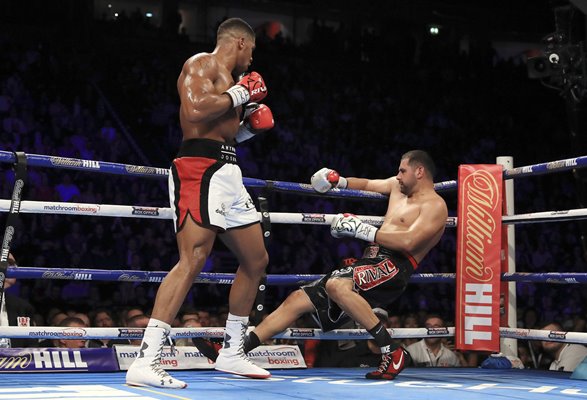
x: 206, y: 184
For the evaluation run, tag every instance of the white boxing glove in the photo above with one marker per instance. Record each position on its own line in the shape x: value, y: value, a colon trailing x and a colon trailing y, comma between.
x: 349, y: 225
x: 326, y: 179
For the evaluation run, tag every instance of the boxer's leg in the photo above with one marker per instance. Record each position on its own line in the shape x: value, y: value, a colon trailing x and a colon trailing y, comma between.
x: 246, y: 243
x: 194, y: 243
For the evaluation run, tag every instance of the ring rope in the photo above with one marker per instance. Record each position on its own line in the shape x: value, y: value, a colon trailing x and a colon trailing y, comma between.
x: 37, y: 160
x: 45, y: 332
x: 78, y: 274
x: 111, y: 210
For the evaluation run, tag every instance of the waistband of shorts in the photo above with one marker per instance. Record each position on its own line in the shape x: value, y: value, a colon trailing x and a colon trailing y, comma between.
x: 207, y: 148
x: 384, y: 251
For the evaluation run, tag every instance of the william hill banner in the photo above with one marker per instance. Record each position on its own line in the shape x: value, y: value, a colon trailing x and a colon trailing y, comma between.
x: 478, y: 257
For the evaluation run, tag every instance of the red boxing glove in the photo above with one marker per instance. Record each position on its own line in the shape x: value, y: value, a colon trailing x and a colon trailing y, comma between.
x: 256, y: 119
x: 250, y: 87
x: 260, y: 119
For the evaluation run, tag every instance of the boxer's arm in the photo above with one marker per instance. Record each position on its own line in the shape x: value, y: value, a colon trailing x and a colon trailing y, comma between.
x: 200, y: 100
x: 383, y: 186
x: 428, y: 224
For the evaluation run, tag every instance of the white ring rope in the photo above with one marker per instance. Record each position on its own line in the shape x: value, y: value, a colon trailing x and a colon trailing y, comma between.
x: 109, y: 210
x: 41, y: 332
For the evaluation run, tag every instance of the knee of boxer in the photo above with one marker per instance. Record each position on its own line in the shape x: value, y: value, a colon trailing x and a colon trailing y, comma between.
x: 256, y: 265
x: 337, y: 288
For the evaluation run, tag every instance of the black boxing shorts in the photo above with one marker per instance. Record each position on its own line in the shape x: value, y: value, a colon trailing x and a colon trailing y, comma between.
x: 380, y: 277
x: 206, y: 183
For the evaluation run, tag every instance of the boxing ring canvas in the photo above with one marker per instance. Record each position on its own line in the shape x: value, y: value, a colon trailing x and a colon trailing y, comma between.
x: 316, y: 383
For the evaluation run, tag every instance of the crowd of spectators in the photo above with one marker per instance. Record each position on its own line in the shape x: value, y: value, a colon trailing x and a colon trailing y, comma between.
x: 338, y: 105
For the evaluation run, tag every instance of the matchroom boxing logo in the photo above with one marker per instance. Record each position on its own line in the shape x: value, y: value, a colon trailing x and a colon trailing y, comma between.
x: 478, y: 257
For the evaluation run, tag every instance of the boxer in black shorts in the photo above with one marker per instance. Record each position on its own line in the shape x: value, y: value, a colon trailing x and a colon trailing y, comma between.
x: 380, y: 277
x: 413, y: 224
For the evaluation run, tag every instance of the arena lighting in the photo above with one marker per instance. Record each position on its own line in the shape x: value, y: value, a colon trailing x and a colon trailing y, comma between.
x: 149, y: 15
x: 434, y: 29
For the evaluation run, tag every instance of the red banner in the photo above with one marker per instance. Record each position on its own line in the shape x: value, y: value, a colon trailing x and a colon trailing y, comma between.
x: 478, y: 257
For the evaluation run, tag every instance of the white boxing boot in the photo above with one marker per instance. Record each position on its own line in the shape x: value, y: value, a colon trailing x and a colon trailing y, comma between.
x: 146, y: 369
x: 232, y: 358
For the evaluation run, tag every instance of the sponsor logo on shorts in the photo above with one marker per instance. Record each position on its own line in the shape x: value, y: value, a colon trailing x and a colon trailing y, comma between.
x: 249, y: 204
x: 313, y: 218
x: 228, y: 157
x: 369, y: 276
x: 124, y: 333
x: 301, y: 332
x: 437, y: 331
x: 557, y: 335
x: 152, y: 211
x: 371, y: 251
x: 222, y: 210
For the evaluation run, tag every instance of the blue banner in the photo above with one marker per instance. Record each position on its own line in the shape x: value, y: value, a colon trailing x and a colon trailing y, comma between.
x: 58, y: 360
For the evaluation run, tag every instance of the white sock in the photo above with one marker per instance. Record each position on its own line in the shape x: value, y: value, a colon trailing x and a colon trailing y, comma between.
x: 158, y: 324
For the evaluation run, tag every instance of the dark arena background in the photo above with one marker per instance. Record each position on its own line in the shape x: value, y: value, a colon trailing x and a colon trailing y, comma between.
x: 90, y: 86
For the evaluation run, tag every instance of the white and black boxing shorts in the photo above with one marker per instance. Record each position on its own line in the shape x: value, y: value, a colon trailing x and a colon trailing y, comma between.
x: 206, y: 183
x: 380, y: 277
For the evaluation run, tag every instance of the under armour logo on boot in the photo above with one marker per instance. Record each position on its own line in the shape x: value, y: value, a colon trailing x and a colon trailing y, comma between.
x: 227, y: 341
x: 142, y: 350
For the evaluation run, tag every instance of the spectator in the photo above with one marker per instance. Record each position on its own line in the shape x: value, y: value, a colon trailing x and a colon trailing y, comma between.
x: 15, y: 311
x: 101, y: 318
x: 566, y: 356
x: 137, y: 321
x: 71, y: 322
x: 430, y: 352
x: 67, y: 190
x: 410, y: 321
